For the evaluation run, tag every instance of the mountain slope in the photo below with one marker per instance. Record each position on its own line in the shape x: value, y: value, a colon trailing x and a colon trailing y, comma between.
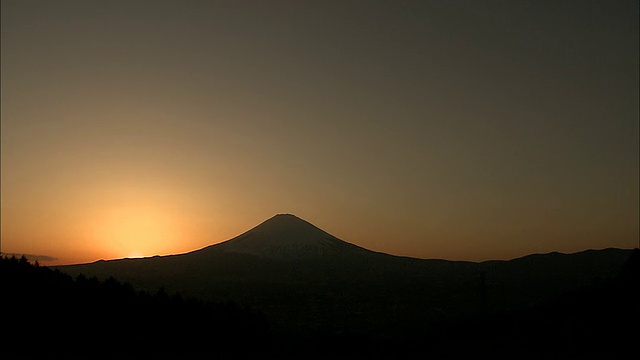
x: 286, y: 236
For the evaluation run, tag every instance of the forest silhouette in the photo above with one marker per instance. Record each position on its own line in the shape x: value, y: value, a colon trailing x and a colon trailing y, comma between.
x: 49, y: 314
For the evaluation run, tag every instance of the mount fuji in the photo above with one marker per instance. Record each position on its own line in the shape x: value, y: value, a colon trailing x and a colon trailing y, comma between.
x: 307, y: 279
x: 287, y: 237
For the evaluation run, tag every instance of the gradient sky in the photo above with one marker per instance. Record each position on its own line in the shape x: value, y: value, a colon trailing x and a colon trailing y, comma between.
x: 464, y: 130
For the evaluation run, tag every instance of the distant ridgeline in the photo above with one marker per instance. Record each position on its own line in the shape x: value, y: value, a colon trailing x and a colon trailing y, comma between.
x: 322, y: 297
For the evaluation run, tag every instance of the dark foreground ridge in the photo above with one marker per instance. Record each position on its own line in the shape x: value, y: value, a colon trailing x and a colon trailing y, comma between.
x: 48, y: 315
x: 325, y: 298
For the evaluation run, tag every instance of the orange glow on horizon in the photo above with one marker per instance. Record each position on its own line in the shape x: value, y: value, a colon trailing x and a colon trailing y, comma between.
x: 135, y: 231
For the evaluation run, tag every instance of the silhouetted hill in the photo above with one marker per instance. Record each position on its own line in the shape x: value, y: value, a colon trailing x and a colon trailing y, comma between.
x: 48, y: 314
x: 600, y: 320
x: 321, y: 292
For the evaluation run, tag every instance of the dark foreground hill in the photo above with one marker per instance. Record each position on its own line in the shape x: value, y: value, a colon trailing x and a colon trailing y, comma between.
x: 46, y: 314
x: 324, y: 296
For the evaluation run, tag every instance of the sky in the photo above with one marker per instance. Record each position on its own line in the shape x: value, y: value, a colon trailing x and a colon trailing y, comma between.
x: 461, y: 130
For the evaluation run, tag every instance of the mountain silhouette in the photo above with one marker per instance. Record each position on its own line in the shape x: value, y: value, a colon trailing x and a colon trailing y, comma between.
x: 286, y: 250
x: 309, y: 282
x: 286, y: 236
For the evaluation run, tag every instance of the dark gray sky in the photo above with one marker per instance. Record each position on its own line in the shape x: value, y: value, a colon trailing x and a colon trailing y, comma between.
x: 440, y: 129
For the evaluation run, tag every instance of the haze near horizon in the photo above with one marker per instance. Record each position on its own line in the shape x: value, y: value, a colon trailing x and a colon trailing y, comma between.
x: 459, y: 130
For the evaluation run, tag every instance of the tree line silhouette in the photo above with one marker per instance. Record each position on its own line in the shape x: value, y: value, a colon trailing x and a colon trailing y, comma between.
x: 48, y: 314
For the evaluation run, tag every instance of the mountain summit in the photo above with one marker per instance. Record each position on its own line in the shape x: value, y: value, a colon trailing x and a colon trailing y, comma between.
x: 286, y: 236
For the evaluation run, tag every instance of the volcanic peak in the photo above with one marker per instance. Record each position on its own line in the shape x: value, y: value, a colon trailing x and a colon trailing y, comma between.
x: 286, y: 236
